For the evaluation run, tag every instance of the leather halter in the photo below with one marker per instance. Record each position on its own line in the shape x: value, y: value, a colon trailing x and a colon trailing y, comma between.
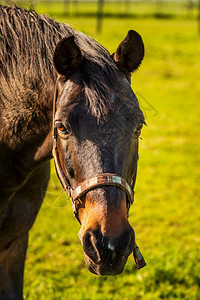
x: 87, y: 185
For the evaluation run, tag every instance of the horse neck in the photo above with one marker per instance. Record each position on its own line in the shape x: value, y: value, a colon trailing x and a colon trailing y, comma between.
x: 27, y: 110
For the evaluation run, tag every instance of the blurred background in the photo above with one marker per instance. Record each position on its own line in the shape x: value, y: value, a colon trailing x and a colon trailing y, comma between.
x: 165, y: 214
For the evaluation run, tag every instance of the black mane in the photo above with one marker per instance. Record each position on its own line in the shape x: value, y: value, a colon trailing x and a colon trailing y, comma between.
x: 27, y: 43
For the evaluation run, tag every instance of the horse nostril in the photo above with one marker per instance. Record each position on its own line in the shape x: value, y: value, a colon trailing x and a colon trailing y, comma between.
x: 89, y: 245
x: 125, y: 242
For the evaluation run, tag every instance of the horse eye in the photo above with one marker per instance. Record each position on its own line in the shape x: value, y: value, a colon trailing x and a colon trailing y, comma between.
x: 137, y: 130
x: 61, y: 128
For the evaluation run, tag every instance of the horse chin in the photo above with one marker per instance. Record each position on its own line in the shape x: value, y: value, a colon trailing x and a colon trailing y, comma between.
x: 103, y: 269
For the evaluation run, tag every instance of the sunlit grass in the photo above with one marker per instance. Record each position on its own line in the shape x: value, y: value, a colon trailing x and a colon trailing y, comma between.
x: 166, y: 212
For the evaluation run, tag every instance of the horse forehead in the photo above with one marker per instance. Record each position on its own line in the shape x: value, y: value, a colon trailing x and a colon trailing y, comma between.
x: 73, y: 97
x: 71, y: 89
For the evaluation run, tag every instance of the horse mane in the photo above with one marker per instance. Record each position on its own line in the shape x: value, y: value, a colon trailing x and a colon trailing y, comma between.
x: 27, y: 43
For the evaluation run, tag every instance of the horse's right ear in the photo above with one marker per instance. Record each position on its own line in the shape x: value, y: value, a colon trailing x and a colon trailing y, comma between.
x: 67, y: 56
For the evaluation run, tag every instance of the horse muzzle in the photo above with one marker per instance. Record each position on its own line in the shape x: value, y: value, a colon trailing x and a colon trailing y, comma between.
x: 105, y: 256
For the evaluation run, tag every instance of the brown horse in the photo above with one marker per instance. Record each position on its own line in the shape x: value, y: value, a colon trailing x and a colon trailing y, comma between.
x: 57, y: 80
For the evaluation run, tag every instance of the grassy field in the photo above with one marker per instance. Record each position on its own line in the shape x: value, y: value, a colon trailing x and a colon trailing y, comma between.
x: 127, y: 8
x: 165, y: 215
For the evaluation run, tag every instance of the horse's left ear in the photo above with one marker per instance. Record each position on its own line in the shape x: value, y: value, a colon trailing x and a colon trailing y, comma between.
x: 67, y: 56
x: 130, y: 52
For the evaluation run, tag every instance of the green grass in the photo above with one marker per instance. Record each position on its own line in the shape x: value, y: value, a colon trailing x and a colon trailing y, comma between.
x: 127, y: 8
x: 165, y: 215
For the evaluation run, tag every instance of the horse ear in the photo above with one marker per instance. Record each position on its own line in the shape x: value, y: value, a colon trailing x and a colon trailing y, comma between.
x: 67, y: 56
x: 130, y: 52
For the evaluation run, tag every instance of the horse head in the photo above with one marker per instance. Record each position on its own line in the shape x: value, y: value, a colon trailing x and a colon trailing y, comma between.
x: 97, y: 122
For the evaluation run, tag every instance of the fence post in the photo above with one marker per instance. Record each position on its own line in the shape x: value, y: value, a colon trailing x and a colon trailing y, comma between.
x: 99, y: 15
x: 66, y: 6
x: 198, y: 18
